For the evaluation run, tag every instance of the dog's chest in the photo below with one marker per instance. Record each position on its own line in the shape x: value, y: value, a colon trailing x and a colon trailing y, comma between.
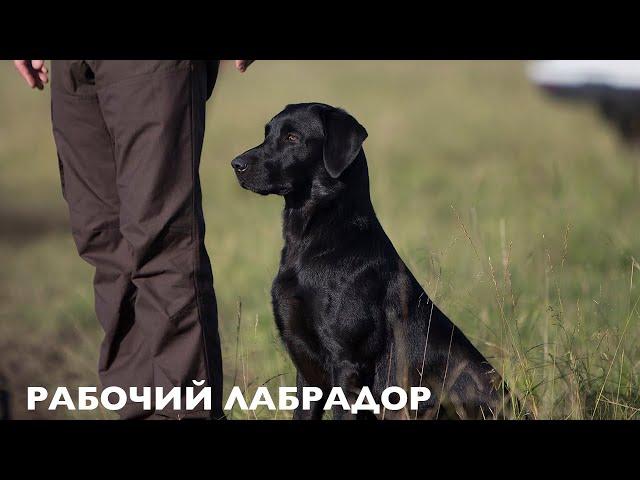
x: 301, y: 295
x: 292, y: 302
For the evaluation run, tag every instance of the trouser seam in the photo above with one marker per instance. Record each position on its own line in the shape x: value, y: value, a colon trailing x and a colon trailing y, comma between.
x: 196, y: 230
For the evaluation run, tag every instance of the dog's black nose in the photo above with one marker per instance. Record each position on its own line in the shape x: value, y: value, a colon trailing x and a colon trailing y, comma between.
x: 239, y: 165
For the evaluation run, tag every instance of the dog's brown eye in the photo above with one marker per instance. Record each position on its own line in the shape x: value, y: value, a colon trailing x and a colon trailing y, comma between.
x: 293, y: 138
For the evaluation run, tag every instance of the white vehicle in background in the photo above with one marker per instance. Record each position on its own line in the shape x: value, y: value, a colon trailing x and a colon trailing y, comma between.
x: 613, y: 86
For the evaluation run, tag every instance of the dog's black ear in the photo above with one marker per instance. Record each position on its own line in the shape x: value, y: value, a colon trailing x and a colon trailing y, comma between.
x: 343, y: 137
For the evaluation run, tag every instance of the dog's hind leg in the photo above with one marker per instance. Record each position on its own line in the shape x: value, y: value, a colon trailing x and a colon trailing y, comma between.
x: 478, y: 393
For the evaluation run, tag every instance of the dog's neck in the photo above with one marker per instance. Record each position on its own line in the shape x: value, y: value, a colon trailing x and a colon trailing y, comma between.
x: 344, y: 204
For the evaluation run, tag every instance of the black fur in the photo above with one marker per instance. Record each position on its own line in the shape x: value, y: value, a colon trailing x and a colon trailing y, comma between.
x: 349, y: 311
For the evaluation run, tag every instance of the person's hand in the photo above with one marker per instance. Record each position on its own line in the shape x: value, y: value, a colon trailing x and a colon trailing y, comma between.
x: 242, y: 65
x: 34, y: 72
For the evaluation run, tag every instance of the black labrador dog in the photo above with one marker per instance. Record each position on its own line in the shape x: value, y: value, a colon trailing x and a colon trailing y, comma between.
x: 348, y: 310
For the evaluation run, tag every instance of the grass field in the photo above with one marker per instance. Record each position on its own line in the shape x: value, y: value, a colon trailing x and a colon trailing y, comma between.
x: 517, y: 213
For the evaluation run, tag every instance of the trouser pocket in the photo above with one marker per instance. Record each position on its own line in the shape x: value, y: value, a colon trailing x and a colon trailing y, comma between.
x: 61, y: 169
x: 212, y: 75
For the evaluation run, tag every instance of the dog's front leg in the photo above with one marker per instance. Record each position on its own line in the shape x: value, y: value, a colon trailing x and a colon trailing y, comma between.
x: 347, y: 376
x: 316, y: 411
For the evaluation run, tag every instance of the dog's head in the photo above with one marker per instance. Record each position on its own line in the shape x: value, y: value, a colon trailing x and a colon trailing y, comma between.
x: 305, y: 144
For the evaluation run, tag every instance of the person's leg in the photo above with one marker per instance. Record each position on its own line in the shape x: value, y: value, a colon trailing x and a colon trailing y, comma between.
x: 88, y: 174
x: 155, y: 113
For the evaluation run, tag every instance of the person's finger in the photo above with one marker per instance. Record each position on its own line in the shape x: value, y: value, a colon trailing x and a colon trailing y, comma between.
x: 38, y: 81
x: 242, y: 65
x: 23, y: 69
x: 44, y: 78
x: 37, y: 64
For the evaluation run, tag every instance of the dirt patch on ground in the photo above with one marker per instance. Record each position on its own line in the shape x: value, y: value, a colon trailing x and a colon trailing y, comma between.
x: 19, y: 226
x: 28, y: 359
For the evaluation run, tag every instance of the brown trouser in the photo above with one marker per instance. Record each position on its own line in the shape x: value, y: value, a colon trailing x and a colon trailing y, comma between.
x: 129, y: 136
